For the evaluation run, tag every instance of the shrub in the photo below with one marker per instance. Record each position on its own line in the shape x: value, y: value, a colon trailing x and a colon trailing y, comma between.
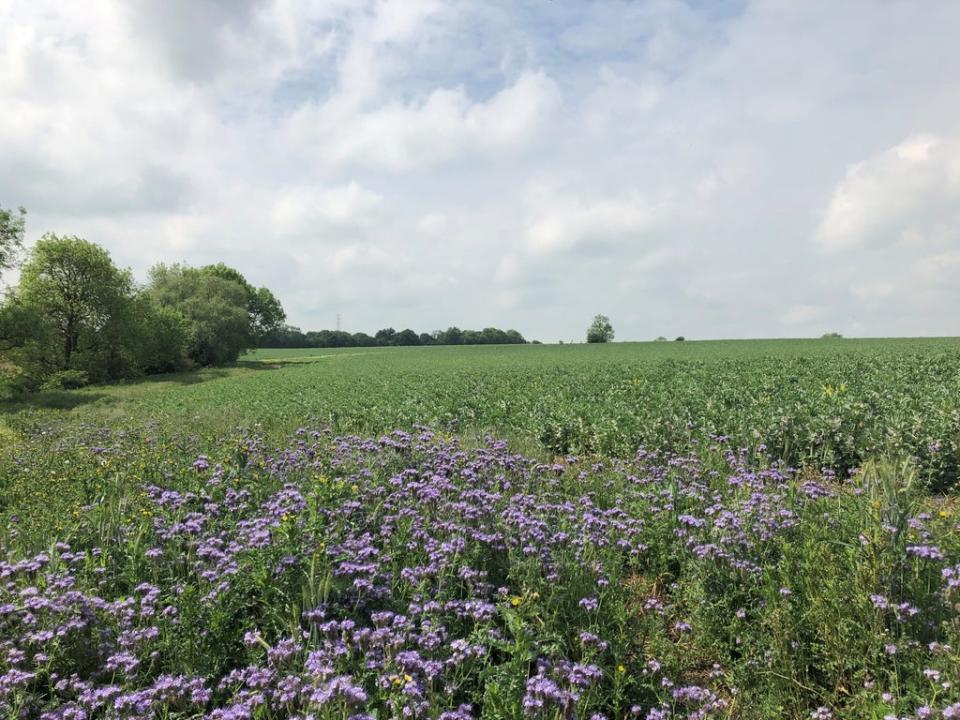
x: 67, y: 380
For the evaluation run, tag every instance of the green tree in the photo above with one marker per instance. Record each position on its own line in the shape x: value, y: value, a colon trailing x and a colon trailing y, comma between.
x: 25, y: 341
x: 600, y: 330
x: 160, y: 335
x: 451, y: 336
x: 214, y: 306
x: 386, y: 336
x: 264, y: 309
x: 406, y: 337
x: 12, y: 225
x: 74, y: 285
x: 361, y: 339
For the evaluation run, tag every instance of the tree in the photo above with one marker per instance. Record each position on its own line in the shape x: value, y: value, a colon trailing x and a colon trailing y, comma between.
x: 76, y: 287
x: 386, y: 336
x: 406, y: 337
x: 361, y: 339
x: 285, y: 336
x: 160, y: 335
x: 215, y: 308
x: 451, y: 336
x: 12, y: 226
x: 25, y: 341
x: 679, y: 338
x: 600, y: 330
x: 265, y: 311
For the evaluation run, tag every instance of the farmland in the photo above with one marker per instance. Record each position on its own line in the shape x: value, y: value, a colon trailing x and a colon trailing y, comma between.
x: 700, y: 529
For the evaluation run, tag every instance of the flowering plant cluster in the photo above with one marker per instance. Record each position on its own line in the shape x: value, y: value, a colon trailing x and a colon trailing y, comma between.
x: 410, y: 576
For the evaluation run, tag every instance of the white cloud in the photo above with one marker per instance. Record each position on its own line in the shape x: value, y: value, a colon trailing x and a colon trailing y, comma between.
x: 619, y: 99
x: 302, y: 211
x: 801, y: 315
x: 573, y: 223
x: 898, y: 193
x: 404, y: 135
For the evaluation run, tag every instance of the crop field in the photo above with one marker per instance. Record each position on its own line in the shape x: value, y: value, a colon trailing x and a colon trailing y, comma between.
x: 737, y: 529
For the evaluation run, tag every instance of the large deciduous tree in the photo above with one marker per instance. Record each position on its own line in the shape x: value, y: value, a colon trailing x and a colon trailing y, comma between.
x: 263, y: 308
x: 215, y: 306
x: 76, y: 288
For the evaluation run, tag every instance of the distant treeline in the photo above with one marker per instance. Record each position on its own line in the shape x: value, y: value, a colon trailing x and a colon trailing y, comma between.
x: 287, y: 336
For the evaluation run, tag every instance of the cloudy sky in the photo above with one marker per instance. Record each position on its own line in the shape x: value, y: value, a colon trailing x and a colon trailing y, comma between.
x: 696, y: 167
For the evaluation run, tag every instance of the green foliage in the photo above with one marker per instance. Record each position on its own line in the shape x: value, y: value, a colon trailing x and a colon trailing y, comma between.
x: 265, y: 312
x: 214, y: 304
x: 600, y: 330
x: 14, y: 381
x: 75, y: 310
x: 19, y: 323
x: 75, y: 286
x: 164, y: 337
x: 287, y: 336
x: 811, y: 403
x: 27, y: 348
x: 66, y: 380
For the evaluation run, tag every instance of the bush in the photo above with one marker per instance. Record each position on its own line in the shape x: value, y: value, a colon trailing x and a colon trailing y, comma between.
x: 13, y: 381
x: 66, y: 380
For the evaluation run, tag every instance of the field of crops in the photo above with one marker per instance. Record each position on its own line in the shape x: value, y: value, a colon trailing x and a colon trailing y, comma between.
x: 659, y: 530
x: 811, y: 403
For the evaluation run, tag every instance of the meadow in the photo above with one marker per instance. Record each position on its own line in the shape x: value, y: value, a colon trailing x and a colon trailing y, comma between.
x: 745, y: 529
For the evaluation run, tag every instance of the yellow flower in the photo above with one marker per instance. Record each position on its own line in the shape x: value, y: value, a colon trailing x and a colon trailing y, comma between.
x: 621, y: 669
x: 516, y: 600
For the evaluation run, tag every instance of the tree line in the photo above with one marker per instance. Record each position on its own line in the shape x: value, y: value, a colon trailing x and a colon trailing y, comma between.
x: 75, y: 317
x: 287, y: 336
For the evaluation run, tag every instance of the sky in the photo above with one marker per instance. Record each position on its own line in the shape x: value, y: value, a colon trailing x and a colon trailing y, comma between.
x: 703, y: 168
